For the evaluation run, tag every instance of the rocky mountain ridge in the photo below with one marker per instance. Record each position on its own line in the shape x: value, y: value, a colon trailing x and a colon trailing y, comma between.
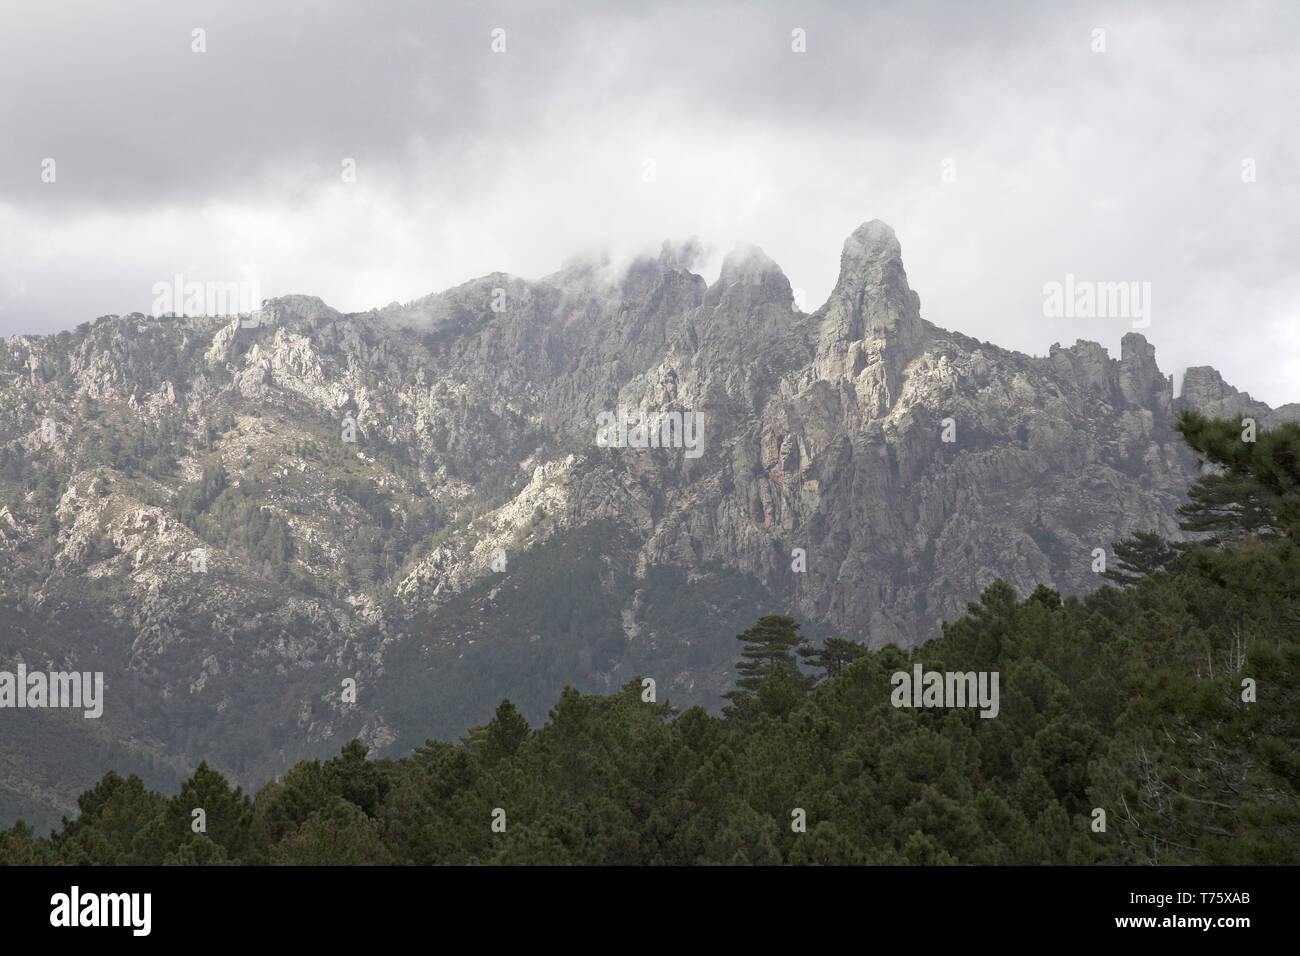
x: 862, y: 470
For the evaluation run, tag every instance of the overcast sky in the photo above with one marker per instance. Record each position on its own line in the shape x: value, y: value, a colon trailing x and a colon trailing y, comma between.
x: 227, y: 165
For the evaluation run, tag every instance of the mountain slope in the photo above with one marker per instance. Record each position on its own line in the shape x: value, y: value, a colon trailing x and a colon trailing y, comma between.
x: 475, y: 541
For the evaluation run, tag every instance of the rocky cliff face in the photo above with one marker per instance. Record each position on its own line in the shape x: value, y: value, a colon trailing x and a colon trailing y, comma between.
x: 1205, y: 390
x: 859, y: 468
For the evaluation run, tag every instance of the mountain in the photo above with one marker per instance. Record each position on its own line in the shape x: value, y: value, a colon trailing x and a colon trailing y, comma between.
x: 182, y: 509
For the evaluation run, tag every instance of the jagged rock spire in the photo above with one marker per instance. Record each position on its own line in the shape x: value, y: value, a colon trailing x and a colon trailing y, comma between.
x: 871, y: 325
x: 750, y: 278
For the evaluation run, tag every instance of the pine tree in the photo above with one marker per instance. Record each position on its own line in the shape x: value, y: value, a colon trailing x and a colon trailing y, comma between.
x: 1270, y: 465
x: 1138, y: 556
x: 768, y: 644
x: 832, y: 657
x: 476, y: 739
x: 357, y: 779
x: 1227, y: 506
x: 506, y: 732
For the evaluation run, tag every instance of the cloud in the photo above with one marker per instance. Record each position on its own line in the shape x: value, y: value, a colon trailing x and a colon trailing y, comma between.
x: 609, y: 125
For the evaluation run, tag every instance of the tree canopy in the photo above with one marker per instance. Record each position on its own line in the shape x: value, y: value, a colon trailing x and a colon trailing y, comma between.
x: 1155, y: 723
